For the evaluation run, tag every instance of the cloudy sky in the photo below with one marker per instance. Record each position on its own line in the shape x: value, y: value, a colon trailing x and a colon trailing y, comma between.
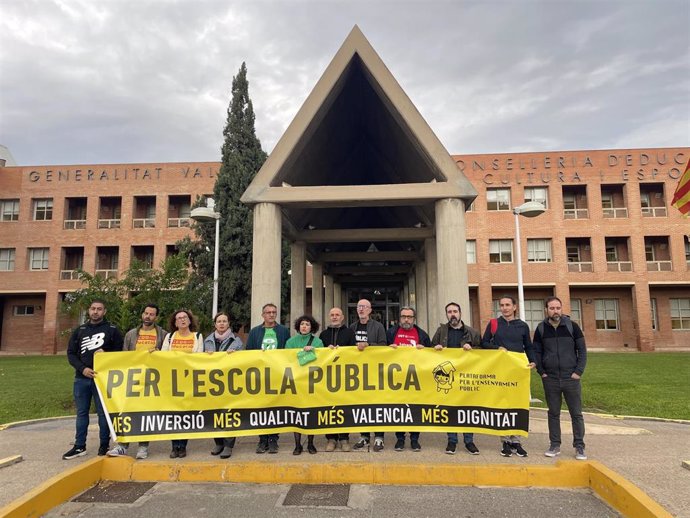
x: 149, y: 81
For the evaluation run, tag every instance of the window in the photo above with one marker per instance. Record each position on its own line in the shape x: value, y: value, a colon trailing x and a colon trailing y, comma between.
x: 6, y: 259
x: 38, y: 258
x: 496, y: 308
x: 569, y: 201
x: 687, y: 250
x: 655, y: 315
x: 539, y: 250
x: 24, y: 311
x: 611, y: 254
x: 534, y: 312
x: 539, y: 194
x: 43, y: 209
x: 576, y: 311
x: 501, y: 251
x: 606, y: 314
x: 645, y: 200
x: 471, y: 246
x: 649, y: 252
x: 498, y: 199
x: 9, y: 210
x: 680, y: 313
x: 606, y: 200
x: 573, y: 252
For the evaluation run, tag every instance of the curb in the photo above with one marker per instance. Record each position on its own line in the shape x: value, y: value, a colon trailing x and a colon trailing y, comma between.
x: 17, y: 424
x: 614, y: 489
x: 626, y: 417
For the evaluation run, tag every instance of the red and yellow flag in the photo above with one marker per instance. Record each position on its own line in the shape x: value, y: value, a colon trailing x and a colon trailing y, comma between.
x: 681, y: 198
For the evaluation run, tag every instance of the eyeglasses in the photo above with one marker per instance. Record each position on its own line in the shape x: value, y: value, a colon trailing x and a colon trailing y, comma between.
x: 410, y: 317
x: 363, y: 307
x: 182, y: 318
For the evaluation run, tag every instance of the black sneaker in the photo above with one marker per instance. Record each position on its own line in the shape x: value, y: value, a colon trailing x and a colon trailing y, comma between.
x: 450, y: 448
x: 507, y: 451
x: 272, y: 446
x: 399, y: 445
x: 261, y: 447
x: 518, y: 449
x: 362, y: 443
x: 76, y: 451
x: 471, y: 448
x: 103, y: 450
x: 415, y: 446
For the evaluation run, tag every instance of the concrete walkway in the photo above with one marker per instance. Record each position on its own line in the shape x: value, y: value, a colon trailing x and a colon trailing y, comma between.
x: 648, y: 453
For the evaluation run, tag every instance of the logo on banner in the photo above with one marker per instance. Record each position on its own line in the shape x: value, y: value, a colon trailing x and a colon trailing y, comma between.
x: 444, y: 375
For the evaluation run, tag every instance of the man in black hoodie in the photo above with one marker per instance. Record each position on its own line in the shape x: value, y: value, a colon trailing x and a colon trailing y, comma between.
x: 561, y: 356
x: 88, y: 339
x: 336, y: 334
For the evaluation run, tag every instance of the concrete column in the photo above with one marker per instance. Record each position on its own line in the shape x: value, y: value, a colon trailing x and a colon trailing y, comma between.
x: 451, y: 253
x: 337, y: 295
x: 406, y: 293
x: 432, y: 280
x: 266, y: 264
x: 328, y: 294
x: 317, y: 291
x: 298, y: 285
x: 412, y: 289
x: 420, y: 295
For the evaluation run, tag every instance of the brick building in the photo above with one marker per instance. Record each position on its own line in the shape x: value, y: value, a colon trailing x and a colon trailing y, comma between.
x: 609, y: 244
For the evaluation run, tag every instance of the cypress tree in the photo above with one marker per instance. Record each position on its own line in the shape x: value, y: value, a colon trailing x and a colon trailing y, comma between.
x: 242, y: 157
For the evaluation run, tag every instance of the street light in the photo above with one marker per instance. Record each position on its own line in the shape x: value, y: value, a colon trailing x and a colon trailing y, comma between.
x: 530, y: 209
x: 204, y: 215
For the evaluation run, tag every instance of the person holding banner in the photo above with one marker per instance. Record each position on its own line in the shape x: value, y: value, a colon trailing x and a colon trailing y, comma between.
x: 268, y: 336
x: 306, y: 340
x: 407, y: 334
x: 183, y: 338
x: 148, y: 336
x: 368, y: 332
x: 222, y: 340
x: 96, y: 336
x: 456, y: 334
x: 335, y: 335
x: 509, y: 333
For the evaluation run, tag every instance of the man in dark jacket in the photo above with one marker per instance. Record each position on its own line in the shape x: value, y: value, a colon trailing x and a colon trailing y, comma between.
x: 456, y: 334
x: 336, y: 334
x: 268, y: 336
x: 95, y: 336
x: 407, y: 334
x: 561, y: 356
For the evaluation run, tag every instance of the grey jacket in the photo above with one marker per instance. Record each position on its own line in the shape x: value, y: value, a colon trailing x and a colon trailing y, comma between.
x: 133, y: 335
x: 375, y: 332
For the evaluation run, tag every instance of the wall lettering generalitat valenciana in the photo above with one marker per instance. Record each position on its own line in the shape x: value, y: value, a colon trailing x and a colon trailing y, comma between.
x: 124, y: 174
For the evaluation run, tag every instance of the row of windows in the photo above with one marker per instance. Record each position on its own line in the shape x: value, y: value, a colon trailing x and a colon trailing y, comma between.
x: 144, y: 216
x: 107, y: 258
x: 540, y: 251
x: 606, y: 313
x: 613, y: 204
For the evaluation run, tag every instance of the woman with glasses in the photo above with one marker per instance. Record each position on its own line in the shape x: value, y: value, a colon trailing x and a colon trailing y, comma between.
x: 184, y: 338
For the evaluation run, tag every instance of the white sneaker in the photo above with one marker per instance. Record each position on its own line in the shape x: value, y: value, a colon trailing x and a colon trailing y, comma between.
x: 117, y: 451
x: 143, y: 452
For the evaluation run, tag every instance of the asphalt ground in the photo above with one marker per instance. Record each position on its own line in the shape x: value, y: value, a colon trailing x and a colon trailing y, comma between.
x: 648, y: 453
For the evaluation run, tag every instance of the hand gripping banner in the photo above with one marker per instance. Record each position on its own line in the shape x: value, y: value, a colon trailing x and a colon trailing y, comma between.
x: 174, y: 395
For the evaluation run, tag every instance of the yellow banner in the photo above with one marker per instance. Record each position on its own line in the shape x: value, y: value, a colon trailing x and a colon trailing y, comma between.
x: 175, y: 395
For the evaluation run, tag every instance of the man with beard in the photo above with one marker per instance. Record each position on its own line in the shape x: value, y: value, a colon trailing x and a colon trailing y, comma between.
x: 148, y: 336
x: 456, y: 334
x: 407, y: 334
x: 561, y: 356
x: 368, y: 332
x: 336, y: 334
x: 87, y: 340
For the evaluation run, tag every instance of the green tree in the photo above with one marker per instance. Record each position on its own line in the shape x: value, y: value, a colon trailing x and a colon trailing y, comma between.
x: 242, y: 157
x: 169, y: 287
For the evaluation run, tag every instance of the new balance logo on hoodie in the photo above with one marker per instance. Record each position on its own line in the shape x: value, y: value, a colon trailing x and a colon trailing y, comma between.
x: 93, y: 342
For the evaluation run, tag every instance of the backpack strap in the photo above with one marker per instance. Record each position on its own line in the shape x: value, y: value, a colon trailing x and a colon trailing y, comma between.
x: 494, y: 326
x: 311, y: 339
x: 568, y: 326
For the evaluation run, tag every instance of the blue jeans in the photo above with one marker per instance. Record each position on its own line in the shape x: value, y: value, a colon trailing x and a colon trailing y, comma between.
x: 179, y: 443
x: 466, y: 437
x: 84, y: 392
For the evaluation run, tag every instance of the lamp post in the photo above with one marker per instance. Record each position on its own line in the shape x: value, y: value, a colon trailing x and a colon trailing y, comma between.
x: 204, y: 215
x: 530, y: 209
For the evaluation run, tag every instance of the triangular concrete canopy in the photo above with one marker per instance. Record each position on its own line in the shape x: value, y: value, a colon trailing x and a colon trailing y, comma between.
x: 357, y: 128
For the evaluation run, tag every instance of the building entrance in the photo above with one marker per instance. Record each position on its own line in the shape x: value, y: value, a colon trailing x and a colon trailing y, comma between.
x: 385, y: 303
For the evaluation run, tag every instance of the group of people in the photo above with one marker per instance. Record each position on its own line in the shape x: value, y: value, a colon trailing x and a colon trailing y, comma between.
x: 556, y: 349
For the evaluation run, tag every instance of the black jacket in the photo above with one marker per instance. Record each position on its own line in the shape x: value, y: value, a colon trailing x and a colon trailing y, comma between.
x: 342, y: 335
x: 558, y: 354
x: 511, y: 334
x: 87, y: 339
